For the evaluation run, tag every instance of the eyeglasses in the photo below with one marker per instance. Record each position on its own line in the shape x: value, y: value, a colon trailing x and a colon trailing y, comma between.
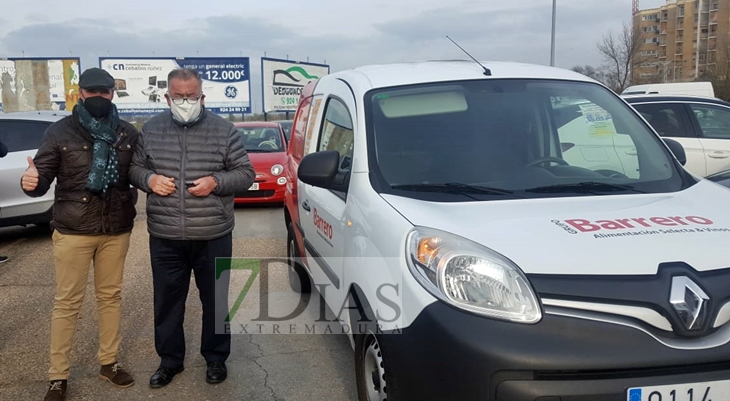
x: 190, y: 100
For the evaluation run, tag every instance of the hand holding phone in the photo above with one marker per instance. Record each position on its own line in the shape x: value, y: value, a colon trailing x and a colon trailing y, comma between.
x: 204, y: 186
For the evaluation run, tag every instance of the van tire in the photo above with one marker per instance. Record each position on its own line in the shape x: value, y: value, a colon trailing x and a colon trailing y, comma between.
x: 299, y: 280
x: 374, y: 382
x: 369, y: 355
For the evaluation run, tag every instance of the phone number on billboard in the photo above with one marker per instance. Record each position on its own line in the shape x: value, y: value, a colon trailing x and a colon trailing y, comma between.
x: 231, y: 109
x: 290, y: 101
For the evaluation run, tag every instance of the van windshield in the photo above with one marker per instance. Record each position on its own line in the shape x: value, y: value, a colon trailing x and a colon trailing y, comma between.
x: 527, y: 138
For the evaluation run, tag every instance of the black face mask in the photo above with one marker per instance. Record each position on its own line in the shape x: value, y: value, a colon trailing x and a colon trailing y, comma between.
x: 98, y: 106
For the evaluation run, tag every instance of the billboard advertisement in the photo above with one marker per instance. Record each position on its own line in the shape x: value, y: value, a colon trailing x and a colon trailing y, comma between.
x: 283, y: 80
x: 28, y: 84
x: 141, y: 83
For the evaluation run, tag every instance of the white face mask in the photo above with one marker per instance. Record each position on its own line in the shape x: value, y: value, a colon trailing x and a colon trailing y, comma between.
x: 186, y: 113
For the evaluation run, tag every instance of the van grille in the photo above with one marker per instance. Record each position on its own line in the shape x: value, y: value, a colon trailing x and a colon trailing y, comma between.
x: 630, y: 373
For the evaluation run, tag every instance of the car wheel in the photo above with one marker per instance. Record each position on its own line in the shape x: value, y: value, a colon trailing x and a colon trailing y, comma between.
x: 371, y: 370
x: 299, y: 280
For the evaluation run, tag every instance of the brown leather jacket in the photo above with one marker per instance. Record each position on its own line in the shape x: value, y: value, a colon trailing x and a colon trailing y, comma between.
x: 65, y: 155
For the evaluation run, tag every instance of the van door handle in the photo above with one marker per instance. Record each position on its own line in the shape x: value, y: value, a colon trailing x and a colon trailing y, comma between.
x: 718, y: 155
x: 631, y: 152
x: 305, y: 205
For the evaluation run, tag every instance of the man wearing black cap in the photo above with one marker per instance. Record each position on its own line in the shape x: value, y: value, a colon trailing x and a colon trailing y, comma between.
x: 88, y: 154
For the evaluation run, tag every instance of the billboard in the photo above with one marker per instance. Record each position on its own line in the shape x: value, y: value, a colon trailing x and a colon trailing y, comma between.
x: 141, y: 83
x: 283, y: 80
x: 28, y: 84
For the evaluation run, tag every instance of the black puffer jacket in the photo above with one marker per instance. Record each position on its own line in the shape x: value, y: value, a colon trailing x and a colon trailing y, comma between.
x: 65, y: 155
x: 212, y: 146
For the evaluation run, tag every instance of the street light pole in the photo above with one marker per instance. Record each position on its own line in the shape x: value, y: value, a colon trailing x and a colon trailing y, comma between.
x: 697, y: 52
x: 665, y: 64
x: 552, y: 39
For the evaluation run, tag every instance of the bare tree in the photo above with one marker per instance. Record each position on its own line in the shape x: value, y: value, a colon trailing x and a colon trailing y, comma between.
x: 590, y: 71
x: 620, y: 52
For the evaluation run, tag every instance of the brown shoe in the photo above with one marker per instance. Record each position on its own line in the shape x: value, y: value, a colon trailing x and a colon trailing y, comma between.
x: 56, y: 391
x: 116, y: 375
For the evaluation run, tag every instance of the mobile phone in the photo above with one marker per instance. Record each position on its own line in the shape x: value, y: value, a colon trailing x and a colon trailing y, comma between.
x: 189, y: 183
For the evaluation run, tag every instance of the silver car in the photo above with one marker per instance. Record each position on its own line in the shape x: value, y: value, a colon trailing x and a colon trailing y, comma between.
x: 22, y: 132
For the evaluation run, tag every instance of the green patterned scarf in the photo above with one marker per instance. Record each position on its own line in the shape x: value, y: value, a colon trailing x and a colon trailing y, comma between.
x: 105, y: 165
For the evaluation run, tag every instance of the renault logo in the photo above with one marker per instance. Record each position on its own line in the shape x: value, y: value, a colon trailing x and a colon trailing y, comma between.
x: 689, y: 301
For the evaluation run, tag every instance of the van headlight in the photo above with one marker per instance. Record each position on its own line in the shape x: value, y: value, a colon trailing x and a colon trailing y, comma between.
x: 470, y: 276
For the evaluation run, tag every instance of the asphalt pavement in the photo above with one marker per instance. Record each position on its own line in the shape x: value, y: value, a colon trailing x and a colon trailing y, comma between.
x: 261, y: 367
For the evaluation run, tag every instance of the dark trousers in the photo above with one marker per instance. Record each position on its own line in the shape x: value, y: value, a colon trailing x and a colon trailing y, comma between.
x: 172, y: 262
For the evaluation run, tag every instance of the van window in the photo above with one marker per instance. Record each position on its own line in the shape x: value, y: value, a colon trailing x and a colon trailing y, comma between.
x: 519, y: 135
x: 337, y: 133
x: 312, y: 123
x: 301, y: 120
x: 20, y: 136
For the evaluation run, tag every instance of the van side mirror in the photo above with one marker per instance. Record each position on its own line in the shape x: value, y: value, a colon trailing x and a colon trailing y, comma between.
x: 677, y: 149
x: 322, y: 169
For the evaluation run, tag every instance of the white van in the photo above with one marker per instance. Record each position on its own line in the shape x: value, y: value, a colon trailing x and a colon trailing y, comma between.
x: 673, y: 88
x: 477, y: 261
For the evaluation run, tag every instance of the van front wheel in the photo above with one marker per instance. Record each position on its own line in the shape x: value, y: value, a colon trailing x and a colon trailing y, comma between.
x: 370, y: 369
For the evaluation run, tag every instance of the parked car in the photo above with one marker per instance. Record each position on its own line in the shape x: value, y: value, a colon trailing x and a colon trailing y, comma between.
x: 286, y: 125
x: 520, y: 275
x: 603, y: 151
x: 266, y: 147
x: 22, y: 133
x: 700, y: 124
x: 722, y: 178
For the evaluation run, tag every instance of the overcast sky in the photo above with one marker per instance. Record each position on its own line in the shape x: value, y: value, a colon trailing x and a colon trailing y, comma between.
x: 342, y: 33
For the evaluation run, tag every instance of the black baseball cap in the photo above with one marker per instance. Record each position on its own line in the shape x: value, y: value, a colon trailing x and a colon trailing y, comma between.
x: 95, y: 78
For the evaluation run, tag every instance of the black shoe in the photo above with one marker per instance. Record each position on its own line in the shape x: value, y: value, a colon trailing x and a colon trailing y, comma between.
x: 56, y: 391
x: 163, y: 376
x: 216, y: 373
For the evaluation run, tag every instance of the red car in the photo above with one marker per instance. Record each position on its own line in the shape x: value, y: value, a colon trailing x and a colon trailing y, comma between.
x: 266, y: 146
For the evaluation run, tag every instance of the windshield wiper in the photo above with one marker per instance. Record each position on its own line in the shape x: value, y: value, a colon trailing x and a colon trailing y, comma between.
x: 588, y: 186
x: 453, y: 188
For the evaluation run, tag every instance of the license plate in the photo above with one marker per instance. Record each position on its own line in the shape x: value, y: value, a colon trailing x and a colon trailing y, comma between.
x: 254, y: 187
x: 704, y: 391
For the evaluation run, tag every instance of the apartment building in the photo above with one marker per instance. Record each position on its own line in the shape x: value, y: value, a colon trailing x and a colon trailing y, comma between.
x: 673, y: 49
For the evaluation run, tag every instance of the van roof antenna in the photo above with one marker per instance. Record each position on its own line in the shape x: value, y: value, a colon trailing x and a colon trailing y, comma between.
x: 487, y: 72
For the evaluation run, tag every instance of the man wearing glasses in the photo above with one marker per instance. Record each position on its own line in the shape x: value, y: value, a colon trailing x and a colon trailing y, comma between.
x: 190, y: 162
x: 88, y: 154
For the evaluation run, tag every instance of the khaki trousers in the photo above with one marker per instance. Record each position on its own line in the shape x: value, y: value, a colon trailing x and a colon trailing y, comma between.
x: 73, y: 255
